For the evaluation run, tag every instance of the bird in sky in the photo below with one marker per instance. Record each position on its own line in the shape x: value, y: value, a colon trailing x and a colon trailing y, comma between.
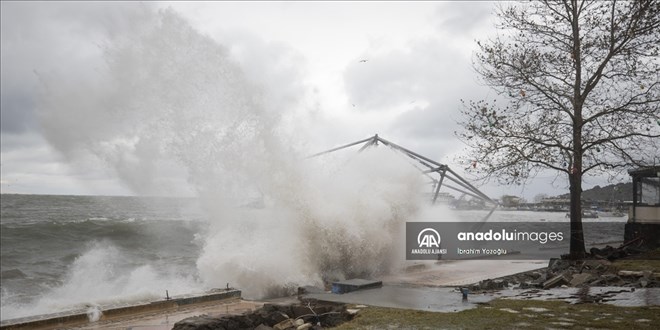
x: 363, y: 61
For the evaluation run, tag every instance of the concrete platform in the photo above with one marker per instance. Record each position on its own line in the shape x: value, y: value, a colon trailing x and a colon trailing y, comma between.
x: 354, y: 285
x: 80, y: 319
x: 461, y: 272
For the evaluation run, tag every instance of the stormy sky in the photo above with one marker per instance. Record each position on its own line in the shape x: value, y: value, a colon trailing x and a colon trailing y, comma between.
x: 342, y: 70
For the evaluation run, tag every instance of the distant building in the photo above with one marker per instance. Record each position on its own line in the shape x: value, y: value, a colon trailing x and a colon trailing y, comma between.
x: 511, y: 201
x: 555, y: 204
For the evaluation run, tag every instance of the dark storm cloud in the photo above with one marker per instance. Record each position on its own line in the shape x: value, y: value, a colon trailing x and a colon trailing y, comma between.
x: 17, y: 115
x: 39, y: 38
x: 43, y: 38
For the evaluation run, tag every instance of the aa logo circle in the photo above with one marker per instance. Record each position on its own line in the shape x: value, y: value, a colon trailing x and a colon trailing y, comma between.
x: 428, y: 237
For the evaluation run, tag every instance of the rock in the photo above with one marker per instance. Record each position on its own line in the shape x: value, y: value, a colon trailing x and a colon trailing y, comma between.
x: 352, y: 311
x: 647, y: 274
x: 276, y: 317
x: 631, y: 273
x: 284, y: 325
x: 488, y: 285
x: 304, y: 326
x: 557, y: 264
x: 580, y: 279
x: 555, y: 282
x: 201, y: 322
x: 299, y: 310
x: 537, y: 275
x: 602, y: 267
x: 272, y: 317
x: 501, y: 284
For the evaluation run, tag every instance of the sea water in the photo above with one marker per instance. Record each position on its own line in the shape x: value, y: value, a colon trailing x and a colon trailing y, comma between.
x: 67, y: 252
x: 62, y: 252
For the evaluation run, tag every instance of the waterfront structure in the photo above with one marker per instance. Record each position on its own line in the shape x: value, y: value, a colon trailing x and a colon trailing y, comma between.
x: 644, y: 214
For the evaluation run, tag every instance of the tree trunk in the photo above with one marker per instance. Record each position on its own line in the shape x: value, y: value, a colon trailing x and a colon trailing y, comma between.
x: 577, y: 250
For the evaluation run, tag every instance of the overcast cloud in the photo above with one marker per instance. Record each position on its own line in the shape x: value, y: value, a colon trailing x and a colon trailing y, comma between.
x: 329, y: 72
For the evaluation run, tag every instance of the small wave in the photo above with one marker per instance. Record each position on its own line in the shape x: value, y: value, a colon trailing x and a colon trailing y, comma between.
x: 12, y: 274
x: 98, y: 219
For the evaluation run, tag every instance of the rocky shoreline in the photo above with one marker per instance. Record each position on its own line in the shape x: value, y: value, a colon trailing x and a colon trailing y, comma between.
x: 597, y: 271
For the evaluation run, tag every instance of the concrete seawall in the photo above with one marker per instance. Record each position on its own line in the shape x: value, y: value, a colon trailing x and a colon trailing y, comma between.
x: 79, y: 317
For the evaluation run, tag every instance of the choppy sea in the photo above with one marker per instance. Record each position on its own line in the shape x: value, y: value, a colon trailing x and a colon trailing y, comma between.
x: 60, y: 252
x: 67, y: 252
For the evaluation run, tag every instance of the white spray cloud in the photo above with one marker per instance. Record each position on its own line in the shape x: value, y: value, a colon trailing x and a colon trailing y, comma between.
x: 169, y: 100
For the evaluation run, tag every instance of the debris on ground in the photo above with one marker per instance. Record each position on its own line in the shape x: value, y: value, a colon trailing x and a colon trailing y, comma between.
x: 597, y: 270
x: 308, y: 315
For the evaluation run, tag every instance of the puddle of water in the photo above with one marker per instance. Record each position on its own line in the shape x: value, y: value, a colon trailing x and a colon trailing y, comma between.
x: 618, y: 296
x: 437, y: 299
x: 448, y: 299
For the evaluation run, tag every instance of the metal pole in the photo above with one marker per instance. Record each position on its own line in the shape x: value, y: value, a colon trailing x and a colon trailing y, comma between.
x: 437, y: 189
x: 410, y: 152
x: 463, y: 191
x: 339, y: 148
x: 471, y: 186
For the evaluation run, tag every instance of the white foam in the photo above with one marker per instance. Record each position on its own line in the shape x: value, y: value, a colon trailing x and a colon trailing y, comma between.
x: 103, y: 276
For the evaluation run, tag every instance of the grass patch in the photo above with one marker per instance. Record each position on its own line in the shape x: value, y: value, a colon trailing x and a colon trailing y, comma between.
x: 509, y: 313
x: 647, y: 261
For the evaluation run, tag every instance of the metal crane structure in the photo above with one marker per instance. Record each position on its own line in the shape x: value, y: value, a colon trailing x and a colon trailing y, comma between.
x: 440, y: 174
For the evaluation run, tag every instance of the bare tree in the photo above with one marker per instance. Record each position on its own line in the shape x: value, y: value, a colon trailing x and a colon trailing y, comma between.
x: 581, y: 81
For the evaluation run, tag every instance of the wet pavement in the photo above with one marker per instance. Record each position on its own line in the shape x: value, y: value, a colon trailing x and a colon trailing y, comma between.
x: 428, y: 287
x: 449, y: 299
x: 395, y: 296
x: 164, y: 320
x: 463, y: 272
x: 618, y: 296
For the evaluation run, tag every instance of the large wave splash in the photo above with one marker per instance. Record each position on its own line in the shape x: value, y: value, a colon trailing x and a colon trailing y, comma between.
x: 102, y: 276
x: 324, y: 224
x: 168, y: 107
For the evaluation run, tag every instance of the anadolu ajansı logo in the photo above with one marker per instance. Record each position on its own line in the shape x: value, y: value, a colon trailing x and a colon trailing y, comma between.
x: 428, y: 237
x: 428, y: 241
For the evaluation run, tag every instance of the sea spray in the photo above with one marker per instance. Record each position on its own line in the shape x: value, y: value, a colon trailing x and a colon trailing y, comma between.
x: 169, y: 111
x: 94, y: 313
x: 104, y: 275
x: 330, y: 226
